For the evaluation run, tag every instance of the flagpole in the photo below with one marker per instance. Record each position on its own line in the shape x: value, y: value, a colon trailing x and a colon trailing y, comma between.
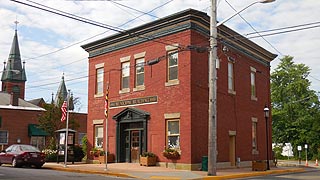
x: 106, y: 115
x: 67, y: 132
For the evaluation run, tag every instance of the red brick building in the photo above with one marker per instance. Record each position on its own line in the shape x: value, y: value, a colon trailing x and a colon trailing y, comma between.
x: 157, y: 76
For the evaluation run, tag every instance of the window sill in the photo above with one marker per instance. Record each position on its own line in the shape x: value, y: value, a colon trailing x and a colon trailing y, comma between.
x: 253, y: 98
x: 231, y: 92
x: 172, y: 83
x: 139, y: 88
x: 255, y: 152
x: 122, y: 91
x: 98, y: 95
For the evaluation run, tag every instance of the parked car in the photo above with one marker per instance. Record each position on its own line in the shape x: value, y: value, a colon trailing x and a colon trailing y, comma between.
x: 22, y: 154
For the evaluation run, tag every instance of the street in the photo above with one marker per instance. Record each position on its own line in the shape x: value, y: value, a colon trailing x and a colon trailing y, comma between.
x: 309, y: 174
x: 9, y: 173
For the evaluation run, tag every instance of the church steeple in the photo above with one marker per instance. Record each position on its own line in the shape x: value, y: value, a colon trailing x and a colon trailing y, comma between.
x: 14, y: 75
x: 62, y: 95
x: 62, y: 92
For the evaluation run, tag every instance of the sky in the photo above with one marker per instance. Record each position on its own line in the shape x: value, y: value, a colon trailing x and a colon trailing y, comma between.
x: 50, y: 44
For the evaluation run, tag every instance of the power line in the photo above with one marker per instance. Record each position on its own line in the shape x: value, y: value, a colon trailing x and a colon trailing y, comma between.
x: 254, y: 29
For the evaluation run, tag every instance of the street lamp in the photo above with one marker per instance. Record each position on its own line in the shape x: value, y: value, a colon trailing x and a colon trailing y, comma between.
x: 266, y: 115
x: 212, y: 124
x: 255, y: 2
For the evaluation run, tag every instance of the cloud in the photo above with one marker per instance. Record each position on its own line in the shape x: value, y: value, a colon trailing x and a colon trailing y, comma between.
x: 41, y: 32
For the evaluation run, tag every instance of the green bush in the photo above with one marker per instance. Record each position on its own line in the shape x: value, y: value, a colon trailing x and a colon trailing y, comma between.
x: 78, y: 153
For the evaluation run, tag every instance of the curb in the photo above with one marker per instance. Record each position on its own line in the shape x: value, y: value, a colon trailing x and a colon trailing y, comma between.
x: 222, y: 177
x: 253, y: 174
x: 66, y: 169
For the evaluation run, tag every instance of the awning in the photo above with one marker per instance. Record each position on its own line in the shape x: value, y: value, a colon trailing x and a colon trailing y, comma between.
x: 35, y: 130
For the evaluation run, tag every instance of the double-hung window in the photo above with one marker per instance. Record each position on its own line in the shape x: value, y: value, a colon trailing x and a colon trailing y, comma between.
x: 231, y: 88
x: 98, y: 136
x: 139, y: 81
x: 253, y: 83
x: 254, y: 136
x: 172, y: 65
x: 173, y: 133
x: 3, y: 137
x: 125, y: 77
x: 99, y: 81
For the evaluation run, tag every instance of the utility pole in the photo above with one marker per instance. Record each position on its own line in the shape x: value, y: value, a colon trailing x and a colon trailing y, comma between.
x: 212, y: 124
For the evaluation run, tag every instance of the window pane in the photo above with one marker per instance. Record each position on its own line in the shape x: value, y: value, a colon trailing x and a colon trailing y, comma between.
x: 140, y: 79
x: 254, y: 135
x: 173, y: 59
x: 125, y: 82
x: 173, y: 73
x: 253, y: 86
x: 173, y: 127
x: 230, y: 76
x: 125, y: 69
x: 173, y: 142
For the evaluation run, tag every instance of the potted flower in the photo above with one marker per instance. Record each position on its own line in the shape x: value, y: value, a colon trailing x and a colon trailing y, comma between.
x: 171, y: 153
x: 102, y: 158
x: 95, y: 152
x: 148, y: 159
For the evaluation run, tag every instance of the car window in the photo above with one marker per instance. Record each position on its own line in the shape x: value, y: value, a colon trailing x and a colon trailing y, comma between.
x: 28, y: 148
x: 15, y: 148
x: 9, y: 149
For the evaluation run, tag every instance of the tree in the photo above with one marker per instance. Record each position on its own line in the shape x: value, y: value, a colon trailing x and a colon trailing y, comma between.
x: 295, y: 107
x: 50, y: 121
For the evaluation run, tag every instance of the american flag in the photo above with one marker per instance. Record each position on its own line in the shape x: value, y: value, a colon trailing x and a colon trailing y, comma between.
x: 64, y: 111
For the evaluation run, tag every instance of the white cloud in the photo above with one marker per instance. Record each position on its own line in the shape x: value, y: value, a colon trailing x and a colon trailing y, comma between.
x: 42, y: 32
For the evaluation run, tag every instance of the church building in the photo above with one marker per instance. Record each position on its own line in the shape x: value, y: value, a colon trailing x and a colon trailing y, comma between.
x: 19, y: 118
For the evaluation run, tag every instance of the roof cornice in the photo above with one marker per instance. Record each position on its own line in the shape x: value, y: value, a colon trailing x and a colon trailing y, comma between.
x: 186, y: 20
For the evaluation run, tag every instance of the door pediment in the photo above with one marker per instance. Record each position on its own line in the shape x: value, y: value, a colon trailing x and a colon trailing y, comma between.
x: 131, y: 114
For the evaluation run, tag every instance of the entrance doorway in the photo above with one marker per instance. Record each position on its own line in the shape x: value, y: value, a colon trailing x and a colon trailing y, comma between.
x: 232, y: 150
x: 135, y: 146
x: 131, y: 134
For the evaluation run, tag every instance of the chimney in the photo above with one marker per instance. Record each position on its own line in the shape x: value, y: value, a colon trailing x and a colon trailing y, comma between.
x: 14, y: 101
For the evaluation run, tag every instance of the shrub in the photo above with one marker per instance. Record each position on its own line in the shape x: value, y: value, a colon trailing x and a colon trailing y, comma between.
x: 148, y: 154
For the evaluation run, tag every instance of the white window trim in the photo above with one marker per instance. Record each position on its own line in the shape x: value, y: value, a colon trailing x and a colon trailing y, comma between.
x: 101, y: 65
x: 97, y: 121
x: 171, y: 116
x: 125, y: 59
x: 139, y: 55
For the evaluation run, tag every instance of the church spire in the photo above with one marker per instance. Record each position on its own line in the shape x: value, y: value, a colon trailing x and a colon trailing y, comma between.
x: 62, y: 95
x: 62, y: 92
x: 14, y: 76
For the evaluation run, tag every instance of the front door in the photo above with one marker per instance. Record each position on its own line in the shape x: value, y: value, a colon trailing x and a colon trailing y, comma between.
x: 135, y: 146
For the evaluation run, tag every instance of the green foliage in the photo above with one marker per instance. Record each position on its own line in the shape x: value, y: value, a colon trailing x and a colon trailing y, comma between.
x: 295, y: 107
x: 148, y: 154
x: 50, y: 120
x: 78, y: 153
x: 84, y: 141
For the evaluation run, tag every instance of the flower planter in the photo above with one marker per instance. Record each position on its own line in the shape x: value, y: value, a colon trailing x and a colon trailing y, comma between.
x: 259, y: 165
x: 171, y: 154
x: 148, y: 161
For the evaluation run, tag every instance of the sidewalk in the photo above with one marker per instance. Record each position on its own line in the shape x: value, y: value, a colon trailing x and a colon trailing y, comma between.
x: 134, y: 170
